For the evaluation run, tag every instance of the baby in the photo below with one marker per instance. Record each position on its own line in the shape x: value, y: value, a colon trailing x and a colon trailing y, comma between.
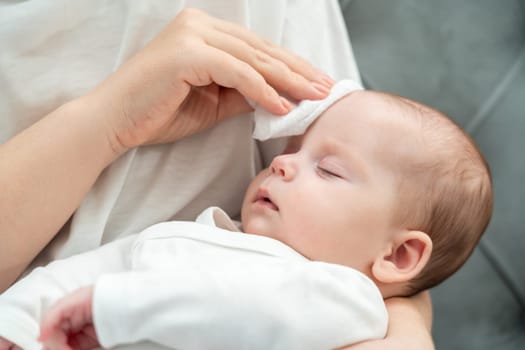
x: 382, y: 196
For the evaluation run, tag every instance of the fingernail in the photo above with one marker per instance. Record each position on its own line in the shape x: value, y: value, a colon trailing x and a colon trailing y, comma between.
x: 327, y: 81
x: 287, y: 105
x: 324, y: 90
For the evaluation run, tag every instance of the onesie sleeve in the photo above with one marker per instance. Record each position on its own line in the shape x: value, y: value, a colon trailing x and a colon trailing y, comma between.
x: 276, y: 305
x: 24, y: 303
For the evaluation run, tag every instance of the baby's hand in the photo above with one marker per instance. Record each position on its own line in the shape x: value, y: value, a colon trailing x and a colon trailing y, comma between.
x: 7, y: 345
x: 68, y: 324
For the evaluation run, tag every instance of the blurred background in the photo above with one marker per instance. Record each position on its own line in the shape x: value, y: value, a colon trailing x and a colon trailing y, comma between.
x: 467, y: 59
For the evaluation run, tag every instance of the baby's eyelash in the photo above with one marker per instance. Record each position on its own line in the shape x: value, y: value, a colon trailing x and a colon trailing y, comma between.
x: 327, y: 172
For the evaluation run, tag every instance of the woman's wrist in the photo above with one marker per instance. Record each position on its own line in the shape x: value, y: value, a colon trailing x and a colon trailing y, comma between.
x: 95, y: 118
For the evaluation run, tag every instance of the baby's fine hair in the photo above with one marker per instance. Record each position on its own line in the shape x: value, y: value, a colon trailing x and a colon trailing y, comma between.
x: 445, y: 192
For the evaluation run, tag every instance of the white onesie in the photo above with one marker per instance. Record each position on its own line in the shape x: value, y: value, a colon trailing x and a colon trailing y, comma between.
x: 203, y: 285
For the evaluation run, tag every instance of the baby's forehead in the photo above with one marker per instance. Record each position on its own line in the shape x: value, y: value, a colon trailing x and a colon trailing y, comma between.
x: 396, y: 124
x: 382, y: 104
x: 401, y: 129
x: 373, y: 111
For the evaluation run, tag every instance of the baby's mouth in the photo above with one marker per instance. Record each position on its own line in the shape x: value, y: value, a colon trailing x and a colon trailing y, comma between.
x: 263, y: 198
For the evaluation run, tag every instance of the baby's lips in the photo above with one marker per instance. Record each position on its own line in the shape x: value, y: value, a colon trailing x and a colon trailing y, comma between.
x: 264, y: 196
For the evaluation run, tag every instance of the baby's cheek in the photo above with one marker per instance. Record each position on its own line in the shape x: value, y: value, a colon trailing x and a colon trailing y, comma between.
x: 298, y: 234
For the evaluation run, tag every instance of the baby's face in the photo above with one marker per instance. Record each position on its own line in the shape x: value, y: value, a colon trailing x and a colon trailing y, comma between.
x: 330, y: 195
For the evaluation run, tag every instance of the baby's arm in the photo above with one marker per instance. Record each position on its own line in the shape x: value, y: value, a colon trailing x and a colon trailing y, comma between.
x: 260, y: 306
x: 22, y: 305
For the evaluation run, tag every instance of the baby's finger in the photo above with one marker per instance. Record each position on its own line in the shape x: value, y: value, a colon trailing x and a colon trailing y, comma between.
x: 70, y: 313
x: 51, y: 323
x: 85, y: 339
x: 8, y: 345
x: 4, y: 344
x: 57, y: 319
x: 57, y: 341
x: 276, y: 72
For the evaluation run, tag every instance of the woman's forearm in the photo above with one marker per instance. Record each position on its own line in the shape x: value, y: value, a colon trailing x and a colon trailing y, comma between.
x: 45, y: 171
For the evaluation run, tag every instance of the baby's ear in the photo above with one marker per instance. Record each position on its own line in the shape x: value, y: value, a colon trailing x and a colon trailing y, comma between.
x: 406, y: 256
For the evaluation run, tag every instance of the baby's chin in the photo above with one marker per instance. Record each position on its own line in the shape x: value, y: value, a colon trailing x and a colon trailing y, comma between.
x: 257, y: 227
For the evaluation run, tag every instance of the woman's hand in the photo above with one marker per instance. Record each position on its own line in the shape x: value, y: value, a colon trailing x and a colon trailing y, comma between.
x: 68, y: 324
x: 194, y: 74
x: 409, y: 325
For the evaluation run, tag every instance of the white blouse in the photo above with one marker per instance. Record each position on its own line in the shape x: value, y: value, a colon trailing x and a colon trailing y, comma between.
x: 52, y: 51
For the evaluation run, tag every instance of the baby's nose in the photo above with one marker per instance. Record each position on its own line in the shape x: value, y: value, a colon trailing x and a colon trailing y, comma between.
x: 283, y: 166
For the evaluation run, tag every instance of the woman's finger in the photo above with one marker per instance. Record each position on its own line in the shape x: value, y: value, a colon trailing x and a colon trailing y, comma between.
x: 276, y: 73
x: 282, y: 69
x: 296, y: 63
x: 213, y: 65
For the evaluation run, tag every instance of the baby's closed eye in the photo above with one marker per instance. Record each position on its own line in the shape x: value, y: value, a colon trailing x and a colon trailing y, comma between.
x: 327, y: 168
